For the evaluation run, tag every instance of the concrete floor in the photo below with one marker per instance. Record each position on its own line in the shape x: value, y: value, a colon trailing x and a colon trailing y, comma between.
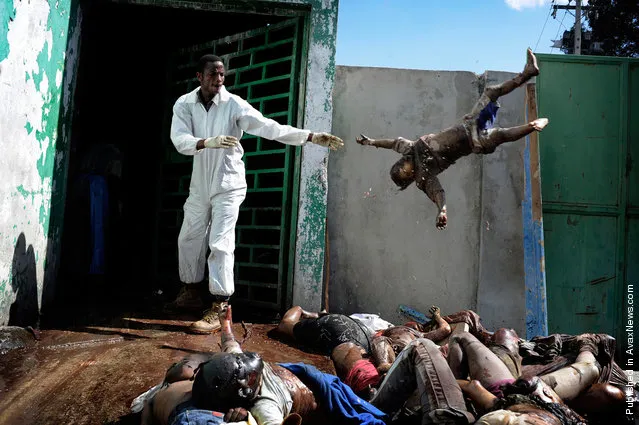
x: 91, y: 374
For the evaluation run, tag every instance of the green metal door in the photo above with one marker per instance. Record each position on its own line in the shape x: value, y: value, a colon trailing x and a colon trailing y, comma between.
x: 263, y: 66
x: 590, y: 210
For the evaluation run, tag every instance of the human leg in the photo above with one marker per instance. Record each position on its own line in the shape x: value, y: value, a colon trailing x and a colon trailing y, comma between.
x: 192, y: 239
x: 225, y: 211
x: 569, y: 382
x: 467, y: 355
x: 192, y: 256
x: 291, y: 317
x: 494, y: 92
x: 420, y: 366
x: 490, y: 139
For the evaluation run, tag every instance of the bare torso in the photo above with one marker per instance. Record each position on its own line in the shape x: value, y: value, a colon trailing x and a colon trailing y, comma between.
x: 167, y: 399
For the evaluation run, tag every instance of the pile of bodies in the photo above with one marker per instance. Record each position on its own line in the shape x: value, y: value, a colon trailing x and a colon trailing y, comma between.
x: 448, y: 371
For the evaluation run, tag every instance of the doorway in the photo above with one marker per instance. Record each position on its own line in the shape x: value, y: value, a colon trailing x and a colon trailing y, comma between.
x: 127, y: 183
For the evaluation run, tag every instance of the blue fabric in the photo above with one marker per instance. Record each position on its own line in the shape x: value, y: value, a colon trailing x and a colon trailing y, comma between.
x: 487, y: 116
x: 99, y: 202
x: 187, y: 414
x: 343, y: 406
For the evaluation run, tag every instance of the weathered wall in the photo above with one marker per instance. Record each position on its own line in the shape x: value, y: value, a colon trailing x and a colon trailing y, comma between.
x: 318, y: 113
x: 501, y: 298
x: 35, y: 95
x: 384, y: 247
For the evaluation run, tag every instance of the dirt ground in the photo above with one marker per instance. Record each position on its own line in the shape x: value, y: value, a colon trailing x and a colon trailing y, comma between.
x: 90, y: 374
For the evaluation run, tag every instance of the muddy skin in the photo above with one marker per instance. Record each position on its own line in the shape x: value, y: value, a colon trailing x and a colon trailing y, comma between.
x: 387, y: 345
x: 303, y: 399
x: 304, y: 403
x: 422, y: 160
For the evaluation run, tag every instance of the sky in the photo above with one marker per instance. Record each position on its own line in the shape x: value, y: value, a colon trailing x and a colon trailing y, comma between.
x: 451, y: 35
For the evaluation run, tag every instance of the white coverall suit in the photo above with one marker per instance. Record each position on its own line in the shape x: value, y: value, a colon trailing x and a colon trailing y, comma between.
x: 218, y: 183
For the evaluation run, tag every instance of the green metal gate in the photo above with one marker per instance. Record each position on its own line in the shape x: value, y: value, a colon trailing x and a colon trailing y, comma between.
x: 589, y: 190
x: 263, y: 66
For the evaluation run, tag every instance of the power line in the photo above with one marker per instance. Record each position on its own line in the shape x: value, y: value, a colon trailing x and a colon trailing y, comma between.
x: 559, y: 29
x: 543, y: 28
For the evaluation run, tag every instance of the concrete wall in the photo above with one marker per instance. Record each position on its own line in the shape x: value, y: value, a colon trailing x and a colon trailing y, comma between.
x: 384, y: 247
x: 38, y: 52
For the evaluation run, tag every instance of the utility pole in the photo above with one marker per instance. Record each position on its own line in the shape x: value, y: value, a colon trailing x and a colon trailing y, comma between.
x: 577, y: 8
x: 578, y: 28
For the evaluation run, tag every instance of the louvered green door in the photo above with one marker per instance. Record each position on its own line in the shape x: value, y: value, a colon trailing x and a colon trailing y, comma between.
x: 263, y: 67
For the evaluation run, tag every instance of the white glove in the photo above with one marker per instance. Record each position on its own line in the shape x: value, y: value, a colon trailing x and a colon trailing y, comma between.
x: 327, y: 140
x: 220, y: 142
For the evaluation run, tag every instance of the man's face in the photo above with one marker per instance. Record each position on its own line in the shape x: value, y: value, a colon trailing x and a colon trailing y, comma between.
x: 211, y: 79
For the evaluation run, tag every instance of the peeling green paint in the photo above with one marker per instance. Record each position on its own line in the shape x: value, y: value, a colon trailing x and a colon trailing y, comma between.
x: 314, y: 228
x: 22, y: 191
x: 5, y: 7
x: 49, y: 65
x: 29, y: 127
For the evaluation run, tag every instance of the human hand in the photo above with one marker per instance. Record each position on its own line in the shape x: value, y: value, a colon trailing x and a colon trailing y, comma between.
x: 435, y: 312
x: 218, y: 142
x: 327, y: 140
x: 442, y: 220
x: 363, y: 140
x: 236, y: 414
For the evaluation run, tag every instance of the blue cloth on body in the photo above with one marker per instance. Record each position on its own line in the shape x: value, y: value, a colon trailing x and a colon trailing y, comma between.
x: 487, y: 116
x: 343, y: 406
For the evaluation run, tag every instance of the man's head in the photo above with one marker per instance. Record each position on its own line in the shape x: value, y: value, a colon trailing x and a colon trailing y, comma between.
x: 210, y: 73
x: 228, y: 380
x: 403, y: 172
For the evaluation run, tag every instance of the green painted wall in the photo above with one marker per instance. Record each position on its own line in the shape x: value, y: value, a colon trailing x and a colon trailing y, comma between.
x: 35, y: 58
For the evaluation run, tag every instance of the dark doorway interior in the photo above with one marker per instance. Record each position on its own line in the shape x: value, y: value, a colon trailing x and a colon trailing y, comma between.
x: 116, y: 146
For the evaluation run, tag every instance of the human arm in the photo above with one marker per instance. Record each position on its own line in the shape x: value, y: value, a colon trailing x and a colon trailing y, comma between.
x: 267, y: 411
x: 253, y: 122
x: 431, y: 186
x: 399, y: 145
x: 229, y: 344
x: 443, y: 328
x: 182, y: 131
x: 147, y: 413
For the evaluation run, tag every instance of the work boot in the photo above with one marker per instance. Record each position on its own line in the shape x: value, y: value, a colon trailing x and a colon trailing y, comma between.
x: 210, y: 322
x: 191, y: 297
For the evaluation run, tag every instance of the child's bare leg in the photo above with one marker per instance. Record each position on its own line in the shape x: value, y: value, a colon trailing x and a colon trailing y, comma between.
x: 570, y: 381
x: 494, y: 137
x: 399, y: 145
x: 494, y: 92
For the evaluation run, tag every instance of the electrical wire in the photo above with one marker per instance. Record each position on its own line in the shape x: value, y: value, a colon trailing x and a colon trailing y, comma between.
x: 543, y: 28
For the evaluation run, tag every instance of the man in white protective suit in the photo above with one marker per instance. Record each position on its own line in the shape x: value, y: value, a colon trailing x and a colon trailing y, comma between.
x: 208, y: 123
